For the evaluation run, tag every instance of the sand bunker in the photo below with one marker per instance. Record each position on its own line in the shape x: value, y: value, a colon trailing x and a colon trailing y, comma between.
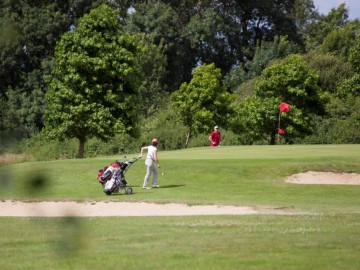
x: 13, y: 208
x: 105, y: 208
x: 324, y: 178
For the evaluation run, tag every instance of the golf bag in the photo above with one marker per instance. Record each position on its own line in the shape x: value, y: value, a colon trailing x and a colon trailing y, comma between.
x: 112, y: 177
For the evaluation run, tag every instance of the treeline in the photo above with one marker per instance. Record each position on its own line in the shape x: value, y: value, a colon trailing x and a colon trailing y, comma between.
x: 109, y: 75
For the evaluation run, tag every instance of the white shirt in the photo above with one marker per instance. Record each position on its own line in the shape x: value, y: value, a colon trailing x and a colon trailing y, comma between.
x: 151, y: 152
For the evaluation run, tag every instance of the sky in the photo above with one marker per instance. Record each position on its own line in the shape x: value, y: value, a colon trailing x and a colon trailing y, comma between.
x: 324, y: 6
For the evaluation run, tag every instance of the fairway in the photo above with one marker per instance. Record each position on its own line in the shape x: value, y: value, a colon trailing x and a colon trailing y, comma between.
x: 287, y: 226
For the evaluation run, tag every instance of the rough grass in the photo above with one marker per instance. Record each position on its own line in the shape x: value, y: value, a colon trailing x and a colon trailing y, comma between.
x: 9, y: 158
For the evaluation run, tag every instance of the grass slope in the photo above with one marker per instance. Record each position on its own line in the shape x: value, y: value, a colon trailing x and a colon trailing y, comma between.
x: 243, y: 175
x: 325, y: 238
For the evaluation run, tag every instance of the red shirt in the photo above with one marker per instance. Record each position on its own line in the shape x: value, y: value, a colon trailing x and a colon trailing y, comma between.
x: 215, y: 138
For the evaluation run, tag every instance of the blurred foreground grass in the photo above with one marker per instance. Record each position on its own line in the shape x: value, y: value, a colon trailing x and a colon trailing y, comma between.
x: 214, y: 242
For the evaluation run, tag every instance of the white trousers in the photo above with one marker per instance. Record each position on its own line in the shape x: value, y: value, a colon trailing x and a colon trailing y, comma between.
x: 150, y: 168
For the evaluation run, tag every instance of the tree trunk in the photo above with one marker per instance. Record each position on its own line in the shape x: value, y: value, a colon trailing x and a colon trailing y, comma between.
x: 81, y: 148
x: 273, y: 138
x: 188, y: 136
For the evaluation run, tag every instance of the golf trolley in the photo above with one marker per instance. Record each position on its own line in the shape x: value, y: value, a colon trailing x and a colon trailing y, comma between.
x: 112, y: 178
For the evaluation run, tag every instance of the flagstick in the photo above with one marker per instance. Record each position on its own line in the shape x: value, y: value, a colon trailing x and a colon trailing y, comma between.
x: 278, y: 129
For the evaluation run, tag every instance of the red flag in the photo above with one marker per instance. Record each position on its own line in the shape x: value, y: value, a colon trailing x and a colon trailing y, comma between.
x: 284, y: 107
x: 281, y: 131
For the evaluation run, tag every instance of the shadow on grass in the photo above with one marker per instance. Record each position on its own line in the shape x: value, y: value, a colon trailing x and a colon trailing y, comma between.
x: 172, y: 186
x: 161, y: 186
x: 122, y: 192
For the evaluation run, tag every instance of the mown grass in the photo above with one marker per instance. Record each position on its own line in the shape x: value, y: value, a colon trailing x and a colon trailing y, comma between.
x: 228, y: 175
x: 216, y: 242
x: 326, y: 237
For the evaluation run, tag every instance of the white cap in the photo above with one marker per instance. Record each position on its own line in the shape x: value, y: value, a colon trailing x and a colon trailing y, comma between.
x: 216, y: 127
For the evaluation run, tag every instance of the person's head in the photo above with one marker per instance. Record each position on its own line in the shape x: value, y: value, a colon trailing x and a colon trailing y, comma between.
x: 216, y: 128
x: 154, y: 142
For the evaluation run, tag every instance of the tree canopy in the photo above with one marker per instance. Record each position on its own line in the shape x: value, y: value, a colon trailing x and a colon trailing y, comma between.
x: 203, y: 102
x: 93, y: 90
x: 99, y: 73
x: 291, y: 81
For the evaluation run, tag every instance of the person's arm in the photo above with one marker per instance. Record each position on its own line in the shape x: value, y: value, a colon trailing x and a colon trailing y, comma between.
x: 156, y: 158
x: 142, y: 150
x: 211, y: 138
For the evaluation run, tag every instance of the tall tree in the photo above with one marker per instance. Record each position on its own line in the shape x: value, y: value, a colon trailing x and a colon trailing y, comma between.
x: 332, y: 70
x: 351, y: 86
x: 257, y: 118
x: 291, y: 81
x: 152, y: 66
x: 355, y: 55
x: 203, y: 102
x: 163, y: 25
x: 29, y: 31
x: 93, y: 92
x: 212, y: 31
x: 340, y: 41
x: 226, y: 32
x: 265, y: 52
x: 37, y: 25
x: 322, y: 25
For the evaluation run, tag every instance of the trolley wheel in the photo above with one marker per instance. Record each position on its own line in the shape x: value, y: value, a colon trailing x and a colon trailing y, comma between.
x: 128, y: 190
x: 107, y: 192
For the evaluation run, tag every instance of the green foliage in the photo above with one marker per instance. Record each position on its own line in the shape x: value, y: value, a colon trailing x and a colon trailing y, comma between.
x: 341, y: 125
x: 345, y: 119
x: 257, y: 118
x: 340, y: 41
x: 349, y: 87
x: 119, y: 145
x: 31, y: 30
x: 43, y: 149
x: 291, y: 81
x: 35, y: 28
x: 223, y: 33
x: 235, y: 77
x: 9, y: 34
x: 162, y: 25
x: 203, y: 102
x: 265, y: 52
x: 355, y: 55
x: 246, y: 89
x: 332, y: 70
x: 9, y: 130
x: 93, y: 91
x: 239, y: 37
x: 203, y: 26
x: 206, y: 32
x: 304, y: 12
x: 151, y: 65
x: 165, y: 126
x: 29, y: 102
x: 318, y: 29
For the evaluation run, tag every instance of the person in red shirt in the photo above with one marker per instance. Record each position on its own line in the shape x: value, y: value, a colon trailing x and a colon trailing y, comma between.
x: 215, y: 137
